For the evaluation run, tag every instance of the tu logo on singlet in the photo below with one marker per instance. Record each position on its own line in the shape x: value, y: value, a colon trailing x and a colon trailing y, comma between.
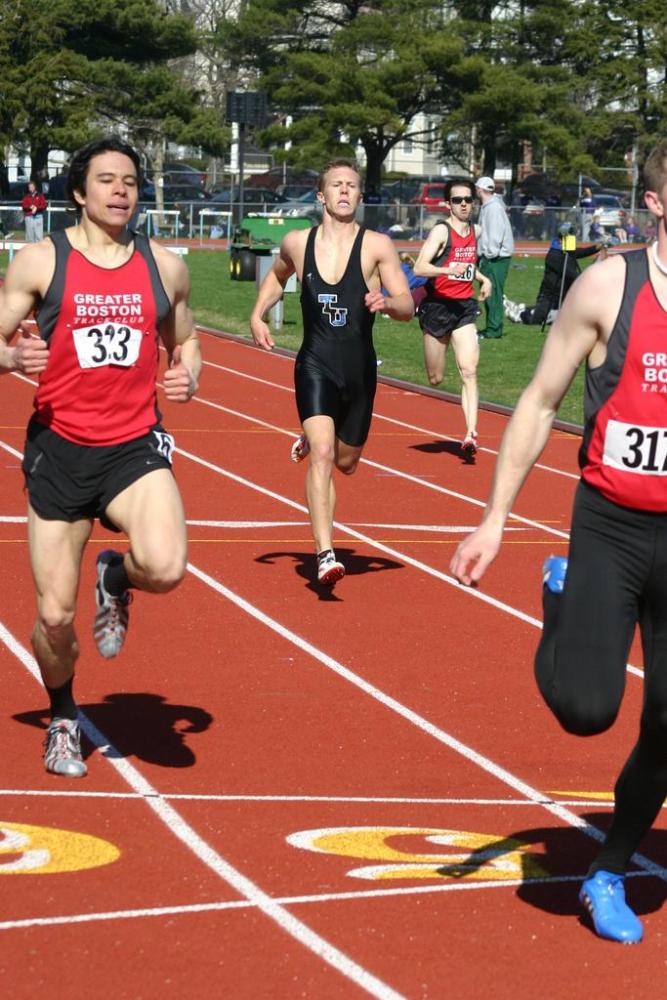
x: 337, y: 315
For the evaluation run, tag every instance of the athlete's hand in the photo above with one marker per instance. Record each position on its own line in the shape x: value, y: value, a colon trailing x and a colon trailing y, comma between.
x: 475, y: 554
x: 456, y: 269
x: 375, y: 301
x: 179, y: 382
x: 261, y: 333
x: 485, y: 289
x: 30, y: 352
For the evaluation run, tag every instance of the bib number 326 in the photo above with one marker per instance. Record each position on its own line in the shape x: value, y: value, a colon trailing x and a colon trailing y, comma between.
x: 107, y: 344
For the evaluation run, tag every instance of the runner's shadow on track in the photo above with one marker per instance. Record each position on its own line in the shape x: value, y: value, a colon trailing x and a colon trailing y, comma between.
x: 543, y: 854
x: 140, y: 725
x: 306, y: 567
x: 440, y: 447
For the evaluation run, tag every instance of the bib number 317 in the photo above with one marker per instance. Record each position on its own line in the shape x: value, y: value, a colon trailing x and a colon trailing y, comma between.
x: 642, y: 450
x: 107, y: 344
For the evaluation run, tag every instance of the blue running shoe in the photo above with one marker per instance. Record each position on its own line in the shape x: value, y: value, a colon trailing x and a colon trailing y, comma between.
x: 603, y: 895
x: 553, y: 574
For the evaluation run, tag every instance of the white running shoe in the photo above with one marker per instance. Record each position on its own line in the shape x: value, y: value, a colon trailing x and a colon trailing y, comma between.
x: 329, y: 570
x: 112, y: 615
x: 469, y: 444
x: 62, y: 749
x: 300, y: 448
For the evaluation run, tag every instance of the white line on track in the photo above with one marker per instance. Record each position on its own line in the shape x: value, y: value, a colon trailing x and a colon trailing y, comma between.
x: 376, y: 416
x: 388, y: 470
x: 503, y: 775
x: 243, y: 904
x: 444, y: 529
x: 210, y: 857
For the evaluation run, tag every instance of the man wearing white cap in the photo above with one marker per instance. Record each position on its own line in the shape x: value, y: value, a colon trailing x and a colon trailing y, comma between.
x: 495, y: 247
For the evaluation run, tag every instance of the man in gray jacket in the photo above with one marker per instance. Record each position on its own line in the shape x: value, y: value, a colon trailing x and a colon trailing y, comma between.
x: 495, y: 246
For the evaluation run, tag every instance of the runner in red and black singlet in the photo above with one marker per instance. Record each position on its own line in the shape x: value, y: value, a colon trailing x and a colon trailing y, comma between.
x: 103, y: 296
x: 102, y: 329
x: 449, y: 310
x: 615, y: 575
x: 344, y: 271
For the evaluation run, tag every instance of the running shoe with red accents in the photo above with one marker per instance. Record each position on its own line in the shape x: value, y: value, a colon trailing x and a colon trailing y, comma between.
x: 62, y: 749
x: 300, y: 448
x: 329, y: 570
x: 469, y: 443
x: 112, y: 612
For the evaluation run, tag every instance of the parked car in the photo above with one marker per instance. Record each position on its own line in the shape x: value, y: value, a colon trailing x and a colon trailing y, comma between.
x: 610, y: 211
x: 254, y: 197
x: 306, y: 206
x: 293, y: 191
x: 431, y: 195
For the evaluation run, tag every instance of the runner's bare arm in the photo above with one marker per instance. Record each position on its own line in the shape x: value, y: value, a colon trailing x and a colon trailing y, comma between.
x: 578, y: 333
x: 424, y: 266
x: 178, y: 330
x: 398, y: 303
x: 25, y: 282
x: 272, y: 288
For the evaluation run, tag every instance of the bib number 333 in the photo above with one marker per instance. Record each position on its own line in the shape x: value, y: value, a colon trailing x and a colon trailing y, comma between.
x: 107, y: 344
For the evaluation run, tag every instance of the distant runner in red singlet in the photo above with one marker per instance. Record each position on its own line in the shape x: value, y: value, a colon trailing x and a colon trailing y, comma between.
x: 448, y: 313
x: 104, y: 298
x: 615, y: 576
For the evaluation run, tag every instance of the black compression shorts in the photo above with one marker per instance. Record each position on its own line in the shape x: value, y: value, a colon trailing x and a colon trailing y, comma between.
x: 440, y: 317
x: 345, y: 394
x: 73, y: 482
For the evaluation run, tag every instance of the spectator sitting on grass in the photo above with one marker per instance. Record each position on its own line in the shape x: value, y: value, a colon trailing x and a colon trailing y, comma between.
x: 560, y: 271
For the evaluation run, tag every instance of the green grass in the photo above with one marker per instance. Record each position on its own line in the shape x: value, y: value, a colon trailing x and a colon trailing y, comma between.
x: 505, y: 367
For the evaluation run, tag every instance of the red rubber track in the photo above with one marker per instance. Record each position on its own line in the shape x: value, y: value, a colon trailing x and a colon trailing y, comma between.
x: 249, y: 706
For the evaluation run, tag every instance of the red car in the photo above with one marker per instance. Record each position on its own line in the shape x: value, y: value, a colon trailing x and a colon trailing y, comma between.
x: 431, y: 196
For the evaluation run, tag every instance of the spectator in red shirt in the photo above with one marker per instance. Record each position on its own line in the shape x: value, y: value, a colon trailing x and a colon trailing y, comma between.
x: 34, y: 206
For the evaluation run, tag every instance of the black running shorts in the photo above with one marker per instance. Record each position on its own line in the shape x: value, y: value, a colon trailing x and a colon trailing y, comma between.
x: 74, y: 482
x: 440, y: 317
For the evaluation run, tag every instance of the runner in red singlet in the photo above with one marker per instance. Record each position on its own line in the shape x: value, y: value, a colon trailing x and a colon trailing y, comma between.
x: 448, y: 313
x: 103, y: 298
x: 615, y: 576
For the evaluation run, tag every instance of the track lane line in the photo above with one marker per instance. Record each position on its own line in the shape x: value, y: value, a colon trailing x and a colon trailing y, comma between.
x: 473, y: 592
x: 378, y: 416
x: 417, y: 720
x: 184, y: 832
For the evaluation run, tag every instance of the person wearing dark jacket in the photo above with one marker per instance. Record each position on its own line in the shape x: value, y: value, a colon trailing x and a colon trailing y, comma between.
x: 561, y: 268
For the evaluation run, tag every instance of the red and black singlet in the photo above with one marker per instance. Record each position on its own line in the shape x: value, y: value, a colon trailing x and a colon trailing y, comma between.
x: 624, y: 449
x: 457, y: 250
x: 101, y: 325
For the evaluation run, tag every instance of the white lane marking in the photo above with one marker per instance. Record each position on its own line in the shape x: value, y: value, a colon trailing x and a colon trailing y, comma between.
x: 380, y: 416
x: 388, y: 470
x: 242, y: 904
x: 210, y: 857
x: 408, y: 560
x: 503, y: 775
x: 444, y: 529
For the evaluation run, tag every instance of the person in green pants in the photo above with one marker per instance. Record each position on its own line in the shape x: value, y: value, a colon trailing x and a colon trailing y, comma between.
x: 495, y: 246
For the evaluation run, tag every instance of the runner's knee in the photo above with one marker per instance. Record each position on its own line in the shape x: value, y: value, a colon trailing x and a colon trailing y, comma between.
x: 162, y: 571
x: 347, y: 464
x: 321, y: 453
x: 54, y: 619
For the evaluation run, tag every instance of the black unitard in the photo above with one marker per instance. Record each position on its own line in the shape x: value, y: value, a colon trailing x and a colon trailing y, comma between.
x: 335, y: 374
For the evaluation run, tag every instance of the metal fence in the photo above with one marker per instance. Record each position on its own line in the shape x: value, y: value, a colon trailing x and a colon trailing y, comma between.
x: 205, y: 220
